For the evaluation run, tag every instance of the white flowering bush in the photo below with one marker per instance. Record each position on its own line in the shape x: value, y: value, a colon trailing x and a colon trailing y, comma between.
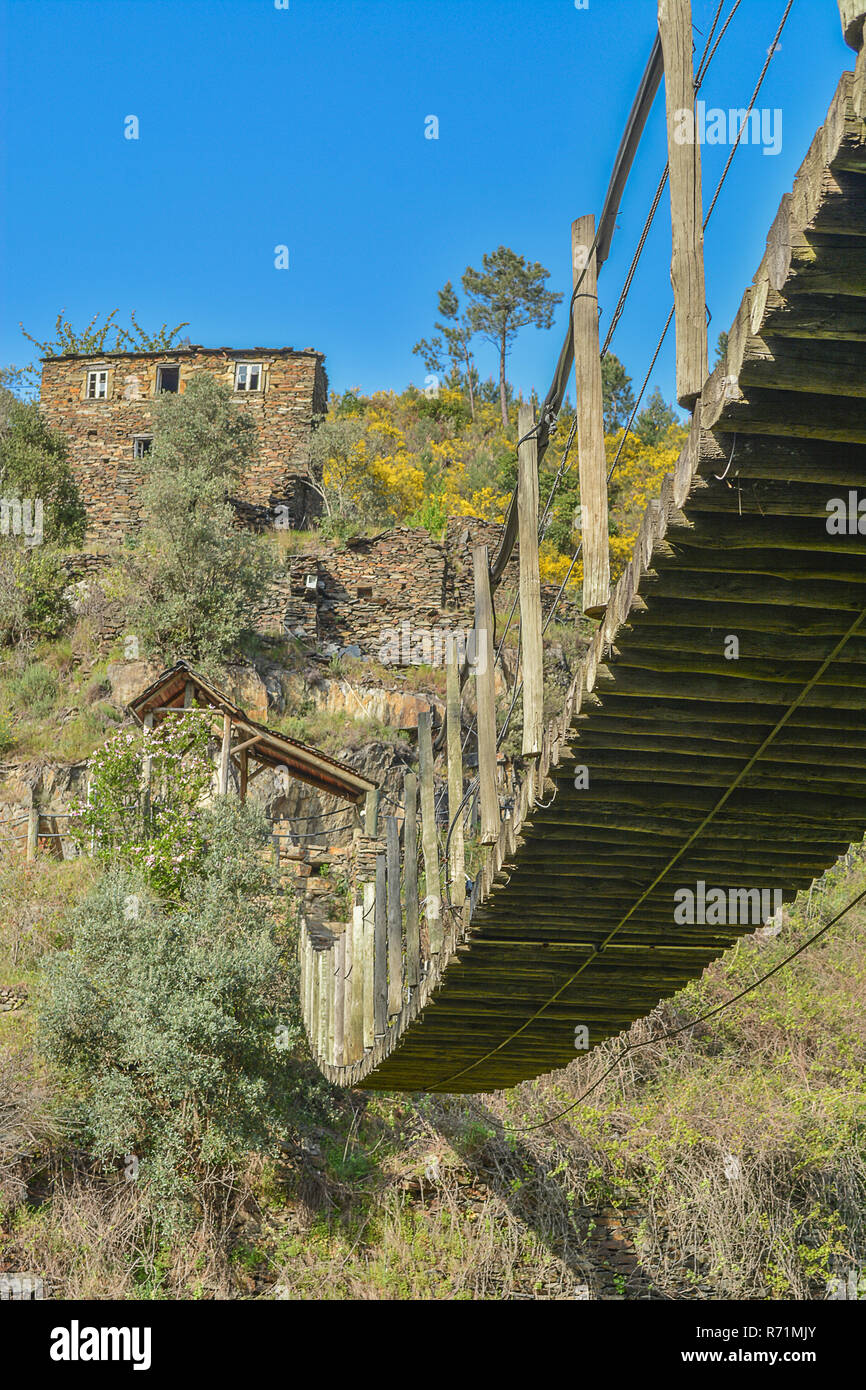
x: 156, y: 829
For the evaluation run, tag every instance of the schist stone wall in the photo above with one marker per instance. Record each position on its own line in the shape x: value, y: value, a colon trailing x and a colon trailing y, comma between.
x: 362, y: 593
x: 103, y: 407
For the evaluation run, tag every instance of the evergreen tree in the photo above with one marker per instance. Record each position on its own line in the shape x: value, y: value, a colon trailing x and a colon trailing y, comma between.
x: 507, y: 295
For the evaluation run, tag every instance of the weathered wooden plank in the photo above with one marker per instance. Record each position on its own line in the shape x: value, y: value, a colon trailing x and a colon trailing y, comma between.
x: 394, y: 916
x: 454, y: 731
x: 225, y: 750
x: 410, y: 874
x: 684, y: 165
x: 380, y: 966
x: 592, y: 461
x: 485, y: 697
x: 429, y: 839
x: 530, y: 586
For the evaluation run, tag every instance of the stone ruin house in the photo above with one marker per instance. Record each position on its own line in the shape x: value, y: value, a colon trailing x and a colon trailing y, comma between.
x: 102, y: 404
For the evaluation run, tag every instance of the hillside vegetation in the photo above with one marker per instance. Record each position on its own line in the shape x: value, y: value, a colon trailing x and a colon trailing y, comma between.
x: 163, y: 1131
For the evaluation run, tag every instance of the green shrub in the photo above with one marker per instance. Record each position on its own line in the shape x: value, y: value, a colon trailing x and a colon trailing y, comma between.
x: 174, y: 1027
x: 33, y: 592
x: 35, y: 690
x: 34, y: 463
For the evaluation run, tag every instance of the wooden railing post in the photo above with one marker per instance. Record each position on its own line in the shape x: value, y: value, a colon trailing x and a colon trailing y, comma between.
x: 308, y: 980
x: 485, y: 697
x: 410, y: 880
x: 315, y: 990
x: 457, y: 866
x: 394, y: 916
x: 348, y: 985
x: 592, y: 461
x: 340, y: 998
x: 371, y: 815
x: 530, y: 586
x: 356, y: 981
x: 687, y: 217
x: 429, y: 841
x: 380, y: 949
x: 330, y: 1031
x: 322, y: 1012
x: 32, y: 827
x: 225, y: 749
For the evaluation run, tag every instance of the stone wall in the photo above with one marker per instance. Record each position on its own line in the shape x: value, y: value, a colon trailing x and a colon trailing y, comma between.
x: 101, y: 433
x: 361, y: 593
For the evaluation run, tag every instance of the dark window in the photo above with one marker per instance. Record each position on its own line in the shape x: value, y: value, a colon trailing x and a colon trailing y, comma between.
x: 248, y: 376
x: 141, y: 445
x: 167, y: 378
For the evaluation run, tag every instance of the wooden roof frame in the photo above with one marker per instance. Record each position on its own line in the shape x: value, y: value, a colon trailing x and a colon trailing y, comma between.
x: 180, y: 687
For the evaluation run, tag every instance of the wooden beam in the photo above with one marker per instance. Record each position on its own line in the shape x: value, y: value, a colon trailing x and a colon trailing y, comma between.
x: 410, y: 876
x: 340, y: 998
x: 315, y: 991
x: 248, y: 743
x: 380, y: 963
x: 356, y: 981
x: 485, y: 698
x: 592, y: 461
x: 32, y: 827
x: 225, y: 750
x: 331, y: 1000
x: 244, y: 774
x: 369, y: 964
x: 322, y: 1018
x: 429, y: 839
x: 453, y: 727
x: 530, y: 586
x: 394, y: 917
x: 684, y: 162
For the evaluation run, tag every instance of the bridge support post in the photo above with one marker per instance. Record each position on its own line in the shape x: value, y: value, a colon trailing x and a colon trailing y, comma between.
x: 392, y: 1002
x: 457, y: 867
x: 592, y: 461
x: 530, y: 586
x: 429, y: 839
x: 368, y: 981
x: 32, y: 827
x: 485, y: 697
x: 684, y: 163
x: 410, y: 878
x: 380, y: 943
x: 356, y: 986
x: 340, y: 997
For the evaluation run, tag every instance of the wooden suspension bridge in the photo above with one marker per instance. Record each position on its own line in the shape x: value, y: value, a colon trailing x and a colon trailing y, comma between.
x: 714, y: 736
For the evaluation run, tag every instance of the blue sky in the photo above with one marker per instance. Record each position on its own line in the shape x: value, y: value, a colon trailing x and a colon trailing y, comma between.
x: 304, y: 126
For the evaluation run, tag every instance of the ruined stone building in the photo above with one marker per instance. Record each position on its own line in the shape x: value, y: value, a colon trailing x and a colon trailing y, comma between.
x: 102, y: 404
